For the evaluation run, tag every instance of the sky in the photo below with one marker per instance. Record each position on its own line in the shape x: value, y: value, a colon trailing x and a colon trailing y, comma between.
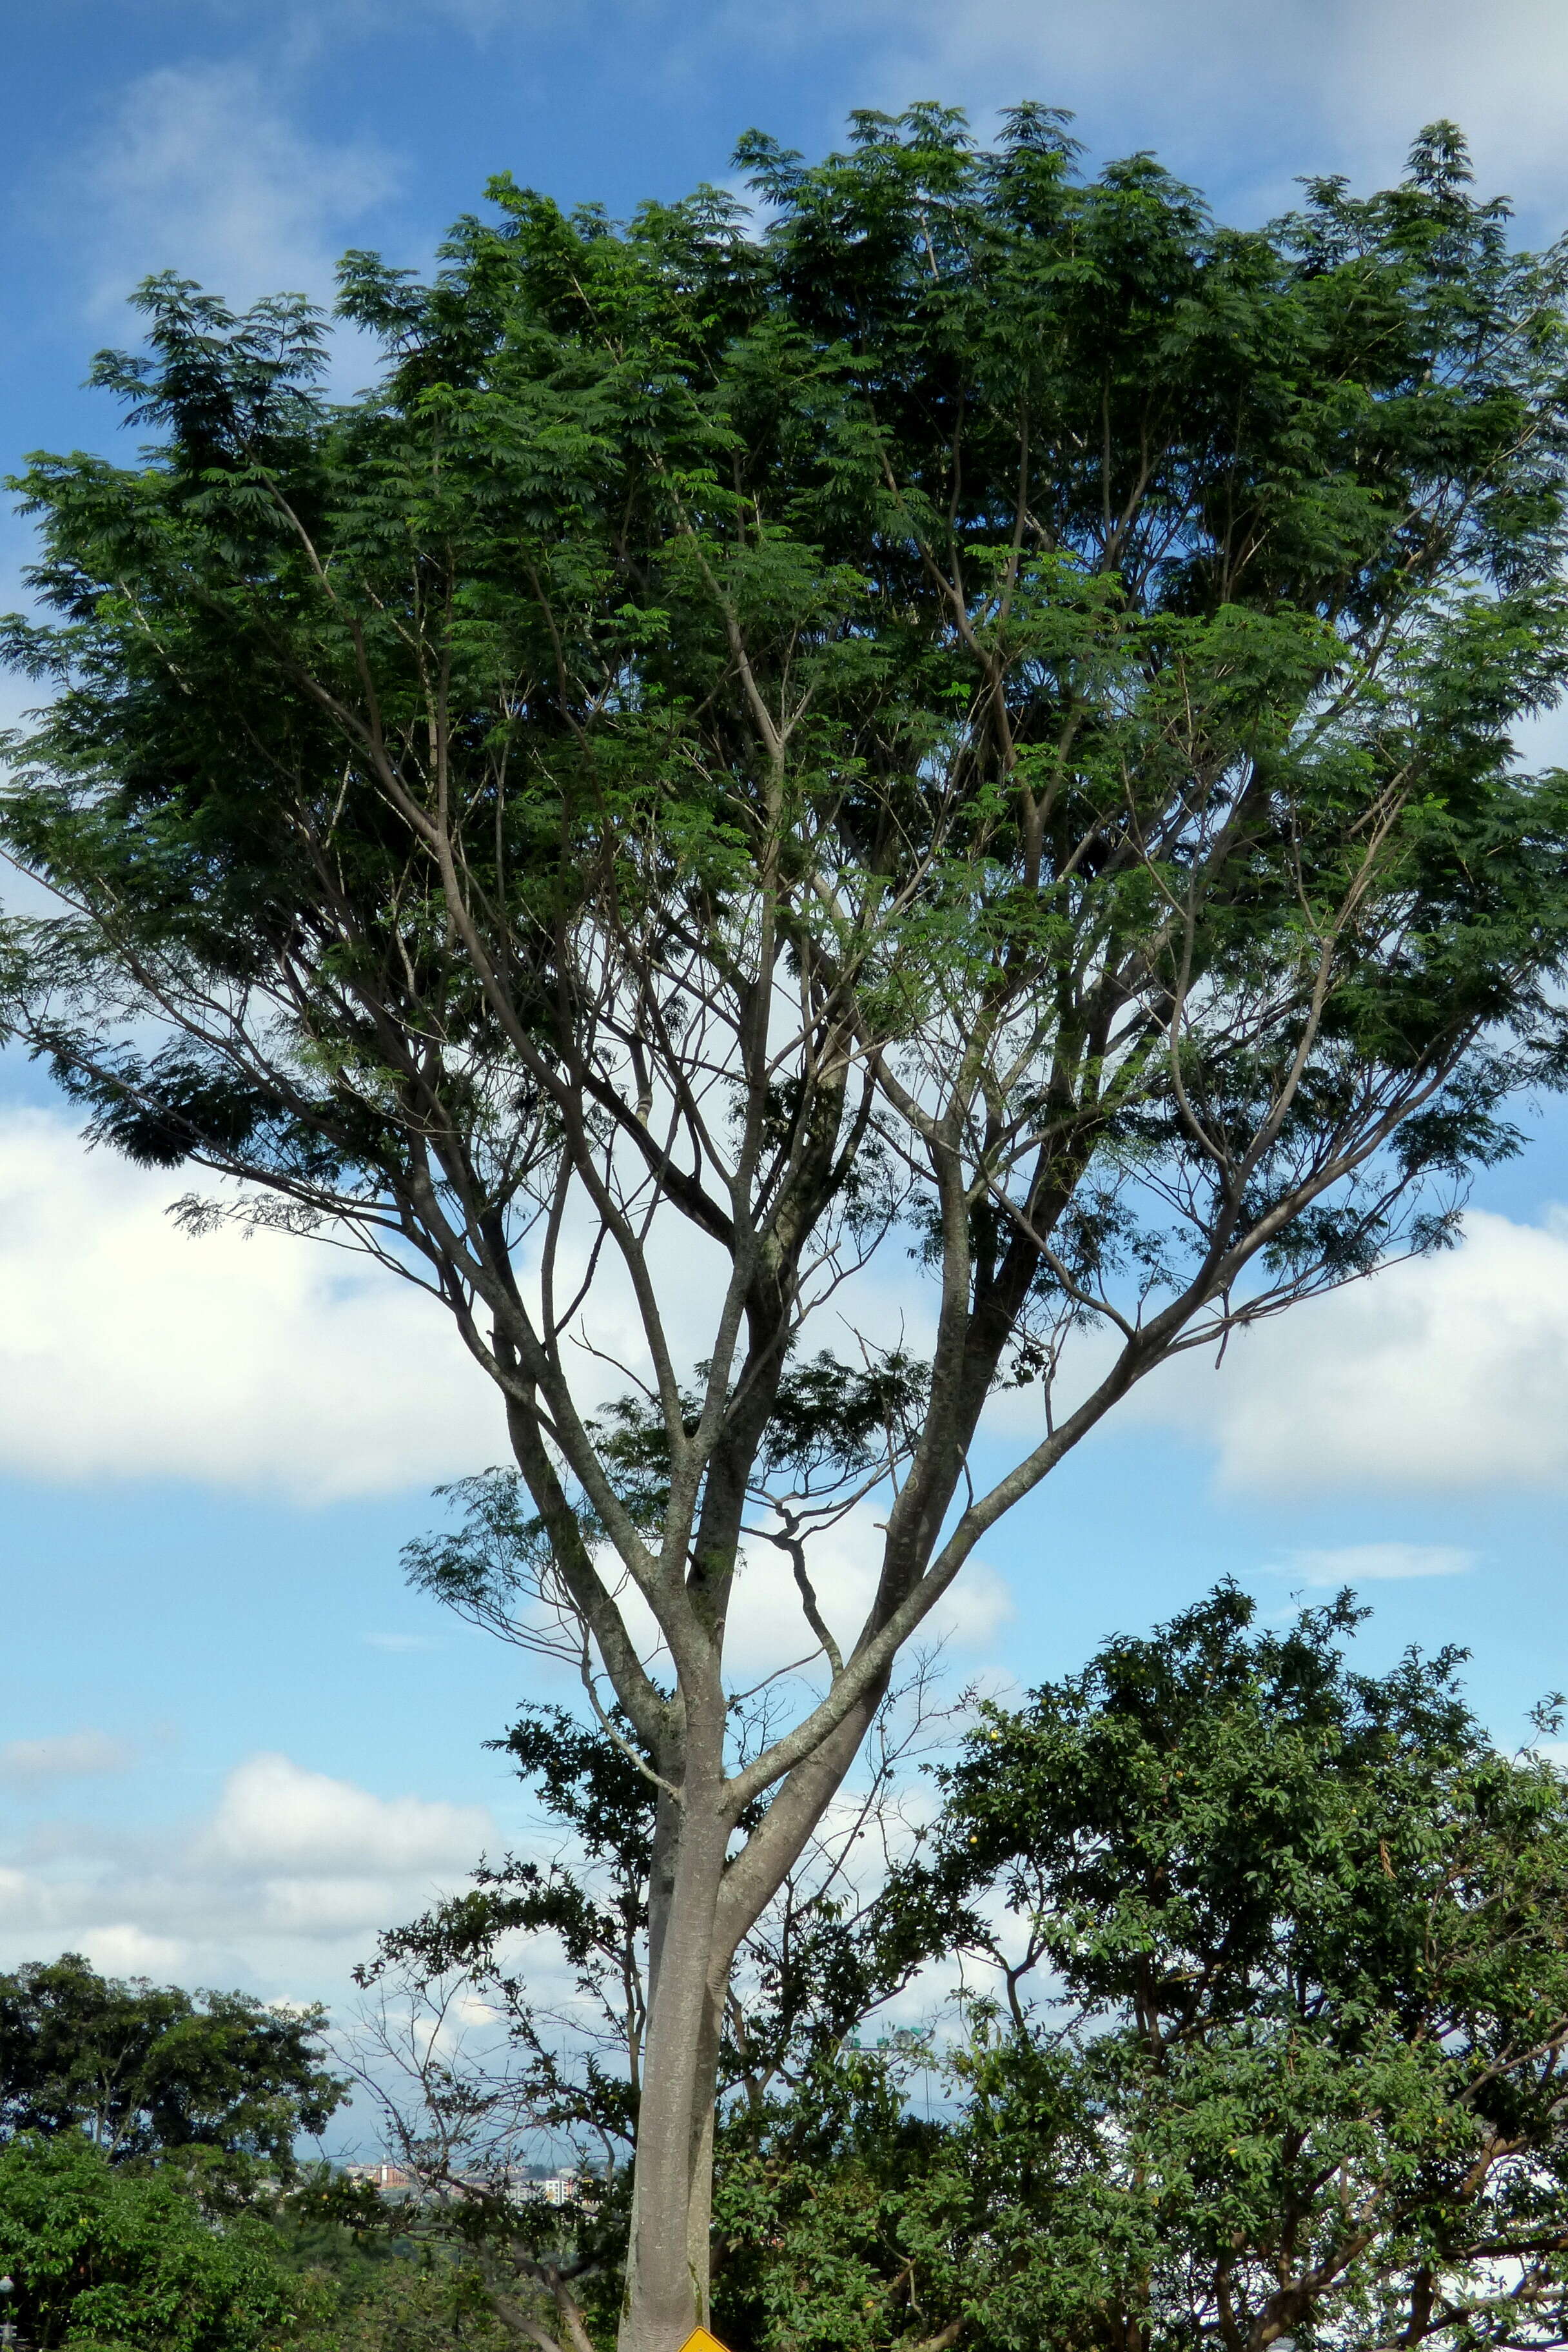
x: 233, y: 1744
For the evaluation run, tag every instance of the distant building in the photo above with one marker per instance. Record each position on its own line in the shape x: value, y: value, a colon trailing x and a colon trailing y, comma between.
x: 388, y: 2178
x: 523, y: 2184
x: 556, y: 2188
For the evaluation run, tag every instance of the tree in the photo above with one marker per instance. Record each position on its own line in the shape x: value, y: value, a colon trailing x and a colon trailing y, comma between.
x: 410, y: 2307
x: 144, y: 2068
x: 1269, y: 2041
x: 391, y: 2293
x: 115, y: 2258
x: 977, y: 721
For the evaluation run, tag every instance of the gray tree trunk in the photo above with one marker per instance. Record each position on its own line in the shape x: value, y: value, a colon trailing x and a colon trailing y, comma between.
x: 667, y: 2264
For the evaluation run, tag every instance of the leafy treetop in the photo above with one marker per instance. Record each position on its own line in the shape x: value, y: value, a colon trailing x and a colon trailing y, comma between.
x: 144, y: 2068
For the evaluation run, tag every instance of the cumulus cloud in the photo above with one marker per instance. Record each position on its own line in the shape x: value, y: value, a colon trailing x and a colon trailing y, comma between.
x: 1371, y: 1563
x: 67, y: 1755
x: 1443, y: 1374
x: 288, y: 1880
x: 129, y: 1350
x: 274, y: 1816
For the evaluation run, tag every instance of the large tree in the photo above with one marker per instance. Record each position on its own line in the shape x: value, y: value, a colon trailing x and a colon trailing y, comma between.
x: 977, y: 720
x: 1269, y: 2039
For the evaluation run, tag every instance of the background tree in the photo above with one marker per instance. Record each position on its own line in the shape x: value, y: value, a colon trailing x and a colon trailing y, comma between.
x: 1269, y: 2036
x: 144, y: 2068
x: 407, y: 2304
x: 978, y: 721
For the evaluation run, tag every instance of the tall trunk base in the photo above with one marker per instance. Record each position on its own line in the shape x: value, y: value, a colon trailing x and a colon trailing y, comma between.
x: 666, y: 2258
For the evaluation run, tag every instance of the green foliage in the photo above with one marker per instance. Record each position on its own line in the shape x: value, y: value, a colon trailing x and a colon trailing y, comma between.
x: 1143, y: 609
x: 144, y: 2068
x: 1272, y: 2040
x: 118, y: 2258
x: 391, y: 2289
x: 414, y: 2306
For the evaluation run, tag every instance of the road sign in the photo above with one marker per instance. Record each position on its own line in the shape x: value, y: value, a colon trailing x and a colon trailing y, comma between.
x: 701, y: 2341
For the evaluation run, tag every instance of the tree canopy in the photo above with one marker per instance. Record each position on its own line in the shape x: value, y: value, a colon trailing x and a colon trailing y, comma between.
x: 111, y: 2258
x: 1267, y: 2028
x: 980, y: 718
x: 143, y: 2068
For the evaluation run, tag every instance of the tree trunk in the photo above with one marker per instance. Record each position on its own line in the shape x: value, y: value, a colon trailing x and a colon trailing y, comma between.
x: 693, y: 1949
x: 666, y: 2258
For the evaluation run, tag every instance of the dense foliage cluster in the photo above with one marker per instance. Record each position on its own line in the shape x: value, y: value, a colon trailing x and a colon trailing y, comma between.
x: 123, y: 2258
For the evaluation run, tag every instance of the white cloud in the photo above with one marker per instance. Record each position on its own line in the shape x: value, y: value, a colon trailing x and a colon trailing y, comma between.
x: 766, y: 1629
x: 198, y: 169
x: 129, y: 1350
x: 287, y: 1882
x: 1223, y: 90
x: 1374, y: 1563
x: 1443, y: 1374
x: 278, y: 1817
x: 67, y: 1755
x: 124, y: 1951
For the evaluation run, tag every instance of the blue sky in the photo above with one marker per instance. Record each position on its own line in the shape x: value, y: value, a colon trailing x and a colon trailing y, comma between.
x: 231, y: 1743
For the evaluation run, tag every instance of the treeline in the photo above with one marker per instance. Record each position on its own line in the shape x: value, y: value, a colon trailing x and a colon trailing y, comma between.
x: 1220, y: 1998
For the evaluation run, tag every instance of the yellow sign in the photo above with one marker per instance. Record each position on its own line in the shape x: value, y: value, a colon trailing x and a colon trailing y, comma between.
x: 701, y: 2341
